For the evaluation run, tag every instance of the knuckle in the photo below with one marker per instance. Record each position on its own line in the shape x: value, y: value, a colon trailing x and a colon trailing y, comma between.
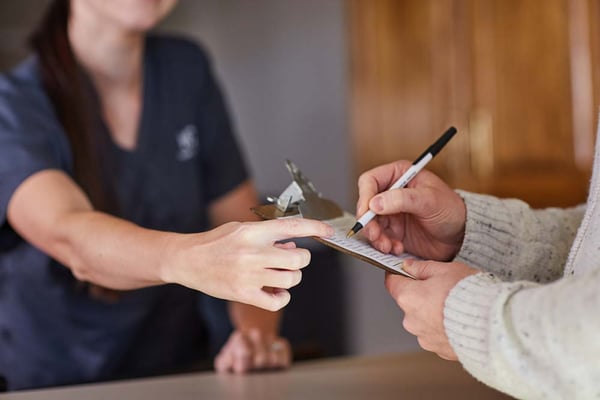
x: 274, y: 300
x: 364, y: 178
x: 255, y: 334
x: 272, y: 306
x: 425, y: 345
x: 305, y: 257
x: 298, y: 278
x: 382, y: 244
x: 372, y: 231
x: 402, y: 165
x: 407, y: 324
x: 243, y: 351
x: 425, y: 268
x: 285, y: 279
x: 266, y: 304
x: 237, y: 336
x: 299, y: 258
x: 295, y: 278
x: 242, y: 229
x: 291, y: 224
x: 238, y: 231
x: 401, y: 298
x: 412, y: 325
x: 234, y: 226
x: 282, y: 300
x: 402, y: 303
x: 288, y: 279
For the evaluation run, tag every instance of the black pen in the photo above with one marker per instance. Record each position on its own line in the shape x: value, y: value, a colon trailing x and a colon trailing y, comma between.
x: 410, y: 173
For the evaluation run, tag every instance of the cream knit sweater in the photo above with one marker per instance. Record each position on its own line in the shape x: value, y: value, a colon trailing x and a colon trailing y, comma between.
x: 530, y: 325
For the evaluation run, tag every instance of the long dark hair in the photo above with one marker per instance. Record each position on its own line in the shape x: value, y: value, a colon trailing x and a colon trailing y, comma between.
x: 65, y: 84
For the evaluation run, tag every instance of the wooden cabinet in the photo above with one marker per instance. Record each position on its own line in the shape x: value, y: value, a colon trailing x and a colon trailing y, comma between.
x: 518, y: 78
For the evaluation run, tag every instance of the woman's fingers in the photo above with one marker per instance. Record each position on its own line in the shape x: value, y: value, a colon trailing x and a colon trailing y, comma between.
x: 260, y: 349
x: 280, y: 229
x: 290, y: 259
x: 253, y: 350
x: 282, y: 279
x: 268, y: 298
x: 236, y: 354
x: 285, y: 245
x: 268, y: 351
x: 280, y: 353
x: 237, y: 260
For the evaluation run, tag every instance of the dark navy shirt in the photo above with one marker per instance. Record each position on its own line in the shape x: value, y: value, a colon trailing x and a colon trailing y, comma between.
x: 51, y: 331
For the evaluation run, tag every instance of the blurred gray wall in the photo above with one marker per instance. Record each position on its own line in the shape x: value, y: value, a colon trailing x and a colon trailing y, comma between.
x: 283, y: 65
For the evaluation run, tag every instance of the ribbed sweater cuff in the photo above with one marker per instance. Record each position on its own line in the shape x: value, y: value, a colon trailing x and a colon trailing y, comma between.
x: 466, y: 317
x: 489, y: 242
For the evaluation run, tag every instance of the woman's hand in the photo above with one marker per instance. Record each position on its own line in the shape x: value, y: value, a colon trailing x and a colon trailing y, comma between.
x: 243, y: 262
x: 426, y: 218
x: 236, y: 261
x: 253, y: 350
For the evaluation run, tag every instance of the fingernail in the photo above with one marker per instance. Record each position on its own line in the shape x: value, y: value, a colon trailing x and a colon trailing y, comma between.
x: 376, y: 204
x: 413, y: 268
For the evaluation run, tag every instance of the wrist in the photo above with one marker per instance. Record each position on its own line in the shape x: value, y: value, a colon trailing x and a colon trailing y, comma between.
x: 169, y: 254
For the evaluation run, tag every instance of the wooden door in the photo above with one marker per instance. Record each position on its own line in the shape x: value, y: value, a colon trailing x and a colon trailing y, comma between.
x: 516, y: 77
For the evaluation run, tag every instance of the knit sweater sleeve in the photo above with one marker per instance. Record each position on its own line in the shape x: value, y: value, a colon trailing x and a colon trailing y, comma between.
x: 523, y: 338
x: 516, y: 242
x: 528, y: 340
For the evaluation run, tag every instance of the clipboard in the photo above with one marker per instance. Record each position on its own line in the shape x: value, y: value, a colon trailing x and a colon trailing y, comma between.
x: 301, y: 200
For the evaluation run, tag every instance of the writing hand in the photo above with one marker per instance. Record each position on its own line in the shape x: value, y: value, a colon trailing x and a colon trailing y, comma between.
x: 426, y: 218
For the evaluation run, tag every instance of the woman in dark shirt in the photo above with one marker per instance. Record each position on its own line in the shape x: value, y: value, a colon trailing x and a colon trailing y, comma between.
x: 116, y: 159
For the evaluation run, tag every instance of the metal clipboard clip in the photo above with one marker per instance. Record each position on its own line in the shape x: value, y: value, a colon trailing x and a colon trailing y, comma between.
x: 300, y: 198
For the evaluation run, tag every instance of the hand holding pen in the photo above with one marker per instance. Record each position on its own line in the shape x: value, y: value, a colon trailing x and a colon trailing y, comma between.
x: 426, y: 218
x: 417, y: 166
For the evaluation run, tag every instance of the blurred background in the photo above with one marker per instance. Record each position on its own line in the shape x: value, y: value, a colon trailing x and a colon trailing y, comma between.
x: 339, y: 86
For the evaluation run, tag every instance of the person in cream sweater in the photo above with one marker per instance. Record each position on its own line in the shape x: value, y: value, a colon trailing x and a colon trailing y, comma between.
x: 511, y: 292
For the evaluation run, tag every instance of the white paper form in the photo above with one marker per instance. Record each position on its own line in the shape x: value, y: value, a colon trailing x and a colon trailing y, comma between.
x: 359, y: 247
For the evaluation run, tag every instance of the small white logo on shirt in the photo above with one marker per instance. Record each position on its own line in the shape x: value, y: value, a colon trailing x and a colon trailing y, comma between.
x: 187, y: 140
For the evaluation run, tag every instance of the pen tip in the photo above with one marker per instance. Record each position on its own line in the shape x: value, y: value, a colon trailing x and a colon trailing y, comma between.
x: 357, y: 227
